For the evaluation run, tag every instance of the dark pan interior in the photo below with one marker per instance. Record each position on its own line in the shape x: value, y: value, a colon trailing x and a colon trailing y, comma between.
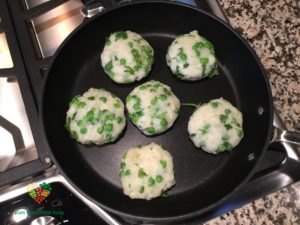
x: 202, y: 180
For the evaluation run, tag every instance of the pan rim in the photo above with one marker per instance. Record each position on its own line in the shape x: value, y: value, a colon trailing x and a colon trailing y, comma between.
x: 184, y: 216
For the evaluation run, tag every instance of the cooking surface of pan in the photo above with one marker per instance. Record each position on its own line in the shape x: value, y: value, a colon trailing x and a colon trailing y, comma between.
x: 202, y: 180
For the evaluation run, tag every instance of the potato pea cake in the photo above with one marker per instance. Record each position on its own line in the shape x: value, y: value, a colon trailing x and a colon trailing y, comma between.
x: 146, y: 172
x: 192, y: 57
x: 95, y: 117
x: 127, y: 57
x: 152, y: 107
x: 216, y: 126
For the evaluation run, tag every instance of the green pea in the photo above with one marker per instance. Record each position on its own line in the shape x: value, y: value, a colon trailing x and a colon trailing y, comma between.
x: 81, y: 105
x: 156, y: 85
x: 122, y: 165
x: 158, y: 179
x: 151, y: 182
x: 130, y: 44
x: 80, y: 123
x: 136, y: 98
x: 241, y: 133
x: 124, y: 156
x: 117, y: 105
x: 119, y: 119
x: 162, y: 97
x: 141, y: 173
x: 103, y: 99
x: 215, y: 104
x: 142, y: 189
x: 223, y: 118
x: 75, y: 101
x: 110, y: 116
x: 204, y: 61
x: 150, y: 130
x: 193, y: 135
x: 182, y: 55
x: 83, y: 130
x: 127, y: 173
x: 227, y: 126
x: 90, y: 115
x: 122, y: 61
x: 227, y: 111
x: 91, y: 98
x: 208, y: 45
x: 108, y: 127
x: 128, y: 98
x: 137, y: 106
x: 186, y: 65
x: 163, y: 163
x: 164, y: 122
x: 124, y: 173
x: 136, y: 116
x: 225, y: 137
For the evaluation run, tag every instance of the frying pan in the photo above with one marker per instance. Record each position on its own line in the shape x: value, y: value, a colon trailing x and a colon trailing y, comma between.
x: 202, y: 180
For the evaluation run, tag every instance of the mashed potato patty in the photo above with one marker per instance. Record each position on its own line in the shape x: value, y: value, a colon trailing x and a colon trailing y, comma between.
x: 146, y: 172
x: 95, y: 117
x: 127, y: 57
x: 152, y: 107
x: 216, y: 126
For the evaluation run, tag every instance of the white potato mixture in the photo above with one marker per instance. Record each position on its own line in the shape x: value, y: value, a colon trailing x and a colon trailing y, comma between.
x: 192, y: 57
x: 95, y: 117
x: 216, y: 126
x: 146, y: 172
x: 152, y: 107
x: 127, y: 57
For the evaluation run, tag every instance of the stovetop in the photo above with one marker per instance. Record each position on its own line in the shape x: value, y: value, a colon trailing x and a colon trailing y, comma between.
x: 30, y: 33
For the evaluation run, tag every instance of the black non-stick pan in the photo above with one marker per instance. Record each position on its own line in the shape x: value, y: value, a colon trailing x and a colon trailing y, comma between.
x: 202, y: 180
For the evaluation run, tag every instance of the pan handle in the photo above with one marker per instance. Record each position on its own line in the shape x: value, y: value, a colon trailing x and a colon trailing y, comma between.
x: 289, y: 139
x: 93, y: 7
x: 281, y: 135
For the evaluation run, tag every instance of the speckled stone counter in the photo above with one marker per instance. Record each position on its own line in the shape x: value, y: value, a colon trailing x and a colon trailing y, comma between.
x: 273, y: 29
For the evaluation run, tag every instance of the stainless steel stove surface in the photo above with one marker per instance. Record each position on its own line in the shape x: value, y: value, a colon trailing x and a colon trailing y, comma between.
x: 30, y: 33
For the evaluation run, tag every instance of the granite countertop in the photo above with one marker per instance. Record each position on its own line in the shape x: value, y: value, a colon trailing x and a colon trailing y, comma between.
x: 273, y: 29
